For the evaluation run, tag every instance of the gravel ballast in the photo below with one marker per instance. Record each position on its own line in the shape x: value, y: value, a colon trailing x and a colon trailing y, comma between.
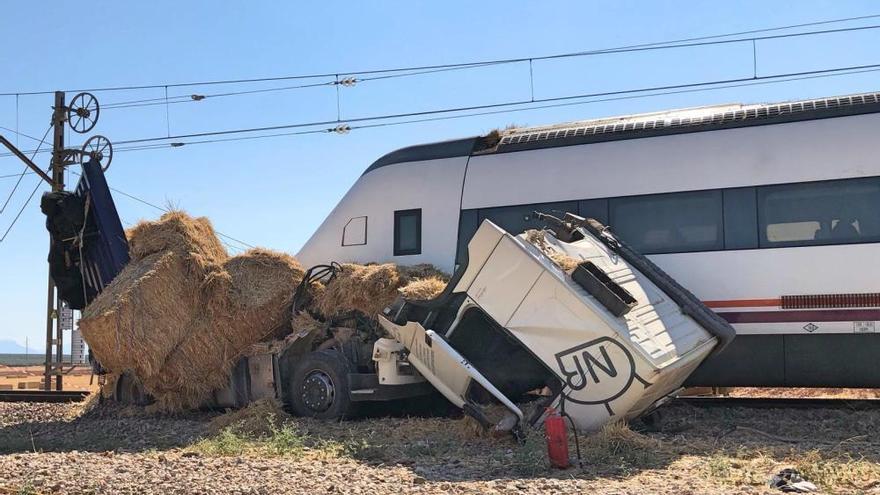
x: 54, y: 448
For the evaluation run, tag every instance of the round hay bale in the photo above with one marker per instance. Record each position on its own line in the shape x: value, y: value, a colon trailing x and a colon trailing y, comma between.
x: 138, y: 320
x: 424, y: 288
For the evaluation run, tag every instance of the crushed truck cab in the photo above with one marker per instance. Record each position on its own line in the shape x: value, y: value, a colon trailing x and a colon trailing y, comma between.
x: 607, y: 341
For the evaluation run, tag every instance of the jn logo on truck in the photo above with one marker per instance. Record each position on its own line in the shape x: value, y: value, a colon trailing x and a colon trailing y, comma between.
x: 597, y: 372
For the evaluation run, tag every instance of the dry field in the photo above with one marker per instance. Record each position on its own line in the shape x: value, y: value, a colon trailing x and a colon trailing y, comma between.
x: 63, y: 449
x: 32, y: 376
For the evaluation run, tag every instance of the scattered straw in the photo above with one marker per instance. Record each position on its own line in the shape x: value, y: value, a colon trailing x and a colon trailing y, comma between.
x: 567, y: 263
x: 256, y: 420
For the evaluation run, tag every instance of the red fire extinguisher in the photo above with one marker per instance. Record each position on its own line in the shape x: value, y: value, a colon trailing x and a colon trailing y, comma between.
x: 557, y: 439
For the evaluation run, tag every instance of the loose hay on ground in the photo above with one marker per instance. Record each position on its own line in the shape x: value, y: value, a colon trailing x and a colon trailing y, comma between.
x: 256, y: 420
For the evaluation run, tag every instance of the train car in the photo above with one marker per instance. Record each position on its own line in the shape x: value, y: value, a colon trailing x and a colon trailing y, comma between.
x: 769, y: 213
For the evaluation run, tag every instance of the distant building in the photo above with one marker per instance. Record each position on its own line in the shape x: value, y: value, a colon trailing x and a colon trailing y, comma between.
x: 78, y: 353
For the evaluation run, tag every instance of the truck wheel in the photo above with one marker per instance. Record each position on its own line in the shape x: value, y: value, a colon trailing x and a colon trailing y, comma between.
x: 319, y: 386
x: 130, y: 391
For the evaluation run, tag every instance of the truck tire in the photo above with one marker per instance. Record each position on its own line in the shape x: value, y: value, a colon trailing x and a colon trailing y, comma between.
x: 319, y: 388
x: 130, y: 392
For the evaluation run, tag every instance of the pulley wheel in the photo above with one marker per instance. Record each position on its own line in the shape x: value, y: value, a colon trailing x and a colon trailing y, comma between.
x: 82, y: 113
x: 98, y: 148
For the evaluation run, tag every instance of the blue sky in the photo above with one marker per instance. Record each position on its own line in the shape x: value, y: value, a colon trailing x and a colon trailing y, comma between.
x: 275, y: 192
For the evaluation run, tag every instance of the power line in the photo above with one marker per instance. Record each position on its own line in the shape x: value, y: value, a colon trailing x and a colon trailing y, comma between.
x: 20, y: 133
x: 491, y: 112
x: 23, y: 172
x: 495, y: 105
x: 472, y: 65
x: 499, y: 108
x: 620, y: 49
x: 166, y: 210
x: 200, y: 97
x: 17, y: 215
x: 822, y: 74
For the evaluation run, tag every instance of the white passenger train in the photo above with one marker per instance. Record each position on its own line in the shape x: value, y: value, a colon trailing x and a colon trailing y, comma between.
x: 770, y: 213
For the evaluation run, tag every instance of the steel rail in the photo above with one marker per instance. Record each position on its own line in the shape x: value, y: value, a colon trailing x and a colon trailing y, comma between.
x: 43, y: 395
x: 778, y: 402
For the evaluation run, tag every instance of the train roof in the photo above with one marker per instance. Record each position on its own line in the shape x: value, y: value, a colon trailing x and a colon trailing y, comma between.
x: 636, y: 126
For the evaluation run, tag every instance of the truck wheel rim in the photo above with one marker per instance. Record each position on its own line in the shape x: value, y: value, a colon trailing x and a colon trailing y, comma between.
x: 318, y: 392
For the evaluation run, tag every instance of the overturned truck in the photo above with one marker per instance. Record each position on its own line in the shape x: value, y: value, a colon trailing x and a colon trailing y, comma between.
x: 609, y: 339
x: 568, y: 317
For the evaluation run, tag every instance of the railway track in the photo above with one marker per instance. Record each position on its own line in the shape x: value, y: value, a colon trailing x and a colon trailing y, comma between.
x: 779, y: 402
x: 42, y: 395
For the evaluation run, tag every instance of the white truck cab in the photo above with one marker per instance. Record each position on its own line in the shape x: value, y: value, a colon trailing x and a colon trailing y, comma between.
x: 608, y: 341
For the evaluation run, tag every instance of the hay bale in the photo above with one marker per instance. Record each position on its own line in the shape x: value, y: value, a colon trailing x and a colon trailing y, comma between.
x: 142, y: 315
x: 176, y: 231
x: 424, y: 288
x: 369, y: 289
x: 364, y: 288
x: 249, y: 301
x: 421, y: 270
x: 138, y: 320
x: 182, y: 311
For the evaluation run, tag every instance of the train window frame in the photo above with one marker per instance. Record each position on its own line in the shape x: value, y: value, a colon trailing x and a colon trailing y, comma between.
x: 845, y: 195
x: 740, y: 210
x: 365, y: 231
x: 399, y: 215
x: 740, y: 230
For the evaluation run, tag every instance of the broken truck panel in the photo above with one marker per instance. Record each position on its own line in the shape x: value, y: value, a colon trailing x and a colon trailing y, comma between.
x: 608, y: 344
x: 446, y: 369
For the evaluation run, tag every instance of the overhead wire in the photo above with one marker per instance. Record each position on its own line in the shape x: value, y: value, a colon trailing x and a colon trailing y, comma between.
x: 193, y: 98
x: 21, y: 176
x: 490, y: 109
x: 493, y: 105
x: 166, y: 210
x: 17, y: 215
x: 491, y: 112
x: 619, y: 49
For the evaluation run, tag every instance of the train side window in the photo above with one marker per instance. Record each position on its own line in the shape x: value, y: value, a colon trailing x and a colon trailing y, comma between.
x: 407, y: 232
x: 669, y: 223
x: 740, y: 218
x: 594, y: 208
x: 830, y: 212
x: 355, y: 232
x: 518, y: 219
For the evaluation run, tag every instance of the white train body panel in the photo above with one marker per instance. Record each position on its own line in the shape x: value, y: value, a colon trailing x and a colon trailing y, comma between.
x: 788, y: 293
x: 434, y: 186
x: 795, y: 152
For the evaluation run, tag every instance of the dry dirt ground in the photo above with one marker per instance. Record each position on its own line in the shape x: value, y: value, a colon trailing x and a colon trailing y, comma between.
x: 53, y: 448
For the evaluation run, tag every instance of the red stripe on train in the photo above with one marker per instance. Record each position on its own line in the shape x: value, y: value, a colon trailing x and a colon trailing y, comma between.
x: 804, y: 301
x: 744, y: 303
